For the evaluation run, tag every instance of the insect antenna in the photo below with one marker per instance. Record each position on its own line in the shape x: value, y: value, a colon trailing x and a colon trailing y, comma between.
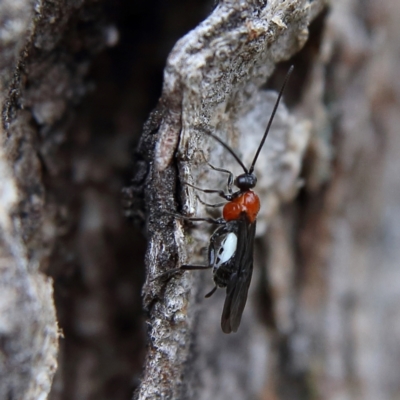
x: 251, y: 169
x: 227, y: 147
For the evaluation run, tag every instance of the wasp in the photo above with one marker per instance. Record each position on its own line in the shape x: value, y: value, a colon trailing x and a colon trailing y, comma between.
x: 230, y: 251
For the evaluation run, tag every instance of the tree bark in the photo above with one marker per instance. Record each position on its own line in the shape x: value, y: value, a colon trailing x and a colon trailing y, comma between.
x: 211, y: 83
x: 321, y: 317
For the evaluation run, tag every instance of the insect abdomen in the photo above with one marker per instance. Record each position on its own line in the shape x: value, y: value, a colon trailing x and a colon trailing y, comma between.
x: 223, y: 274
x: 222, y: 256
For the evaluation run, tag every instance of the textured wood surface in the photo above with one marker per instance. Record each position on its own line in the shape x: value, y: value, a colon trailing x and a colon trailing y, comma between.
x: 76, y: 81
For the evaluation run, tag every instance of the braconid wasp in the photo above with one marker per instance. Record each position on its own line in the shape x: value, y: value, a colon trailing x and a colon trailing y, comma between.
x: 230, y: 251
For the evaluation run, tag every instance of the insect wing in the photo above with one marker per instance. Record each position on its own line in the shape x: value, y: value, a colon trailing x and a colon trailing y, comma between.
x: 238, y: 286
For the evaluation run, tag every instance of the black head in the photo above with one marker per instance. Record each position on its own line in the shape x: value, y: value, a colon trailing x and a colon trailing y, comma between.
x: 246, y: 181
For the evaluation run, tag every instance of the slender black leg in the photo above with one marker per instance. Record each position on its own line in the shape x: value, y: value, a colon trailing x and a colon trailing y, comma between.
x: 190, y: 267
x: 220, y: 193
x: 209, y: 294
x: 217, y: 221
x: 211, y: 205
x: 225, y: 171
x: 184, y: 267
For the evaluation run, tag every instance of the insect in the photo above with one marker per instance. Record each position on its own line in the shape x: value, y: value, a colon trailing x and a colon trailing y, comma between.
x: 230, y: 251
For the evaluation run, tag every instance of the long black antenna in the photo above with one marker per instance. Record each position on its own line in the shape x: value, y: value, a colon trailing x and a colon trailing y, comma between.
x: 229, y: 149
x: 251, y: 169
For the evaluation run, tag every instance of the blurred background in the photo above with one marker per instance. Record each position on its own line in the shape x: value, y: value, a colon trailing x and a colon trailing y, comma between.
x: 327, y: 299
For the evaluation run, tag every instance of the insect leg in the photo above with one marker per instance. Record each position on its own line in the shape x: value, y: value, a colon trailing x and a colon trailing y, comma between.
x: 184, y: 267
x: 220, y: 193
x: 230, y: 177
x: 218, y: 221
x: 211, y: 205
x: 190, y: 267
x: 211, y: 292
x: 225, y: 171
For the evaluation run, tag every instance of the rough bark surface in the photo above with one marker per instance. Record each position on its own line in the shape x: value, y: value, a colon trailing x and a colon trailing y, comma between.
x: 348, y: 292
x: 45, y: 52
x: 211, y: 82
x: 321, y: 320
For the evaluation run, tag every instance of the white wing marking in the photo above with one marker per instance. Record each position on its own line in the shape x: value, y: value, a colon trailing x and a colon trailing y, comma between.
x: 227, y: 249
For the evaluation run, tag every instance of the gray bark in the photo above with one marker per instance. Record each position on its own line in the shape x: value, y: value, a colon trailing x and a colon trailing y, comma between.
x: 212, y: 82
x: 321, y: 318
x: 41, y: 81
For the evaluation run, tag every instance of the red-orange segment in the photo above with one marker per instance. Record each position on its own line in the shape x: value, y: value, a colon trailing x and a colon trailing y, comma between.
x: 248, y: 202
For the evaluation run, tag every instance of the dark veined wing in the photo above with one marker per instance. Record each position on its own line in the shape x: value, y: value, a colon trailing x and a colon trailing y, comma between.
x: 238, y: 286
